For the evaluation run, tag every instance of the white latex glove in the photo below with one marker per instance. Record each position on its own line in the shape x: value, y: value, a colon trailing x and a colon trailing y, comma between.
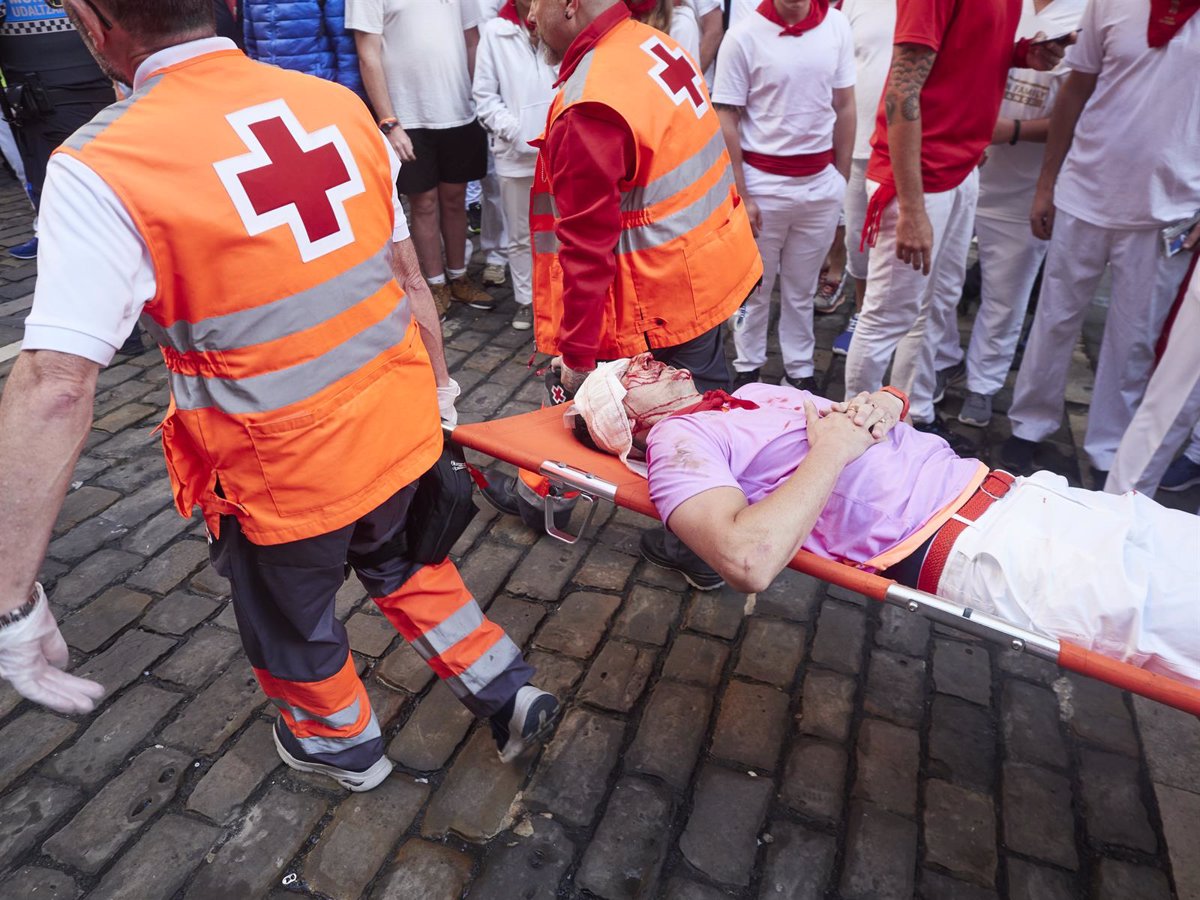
x: 32, y: 653
x: 446, y: 397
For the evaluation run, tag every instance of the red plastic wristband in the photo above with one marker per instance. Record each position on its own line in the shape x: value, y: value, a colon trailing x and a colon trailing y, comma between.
x: 901, y: 396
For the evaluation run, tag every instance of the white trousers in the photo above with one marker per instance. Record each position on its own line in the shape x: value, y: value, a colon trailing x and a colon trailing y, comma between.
x: 799, y: 218
x: 1113, y: 574
x: 855, y: 213
x: 907, y: 313
x: 514, y: 196
x: 1009, y: 257
x: 1169, y: 410
x: 492, y: 239
x: 1144, y: 284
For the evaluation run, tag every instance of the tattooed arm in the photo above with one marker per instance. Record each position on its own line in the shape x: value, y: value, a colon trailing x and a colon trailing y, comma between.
x: 902, y: 105
x: 730, y: 118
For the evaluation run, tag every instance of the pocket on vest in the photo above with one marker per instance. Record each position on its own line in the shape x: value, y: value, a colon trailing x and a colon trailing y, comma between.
x: 341, y: 447
x: 713, y: 268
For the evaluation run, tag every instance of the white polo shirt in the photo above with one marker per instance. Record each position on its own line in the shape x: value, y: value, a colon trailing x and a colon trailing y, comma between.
x: 873, y: 24
x: 94, y: 269
x: 1134, y: 161
x: 424, y: 56
x: 785, y: 84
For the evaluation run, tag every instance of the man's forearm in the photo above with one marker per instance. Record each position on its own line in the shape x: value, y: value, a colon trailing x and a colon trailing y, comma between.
x: 911, y: 65
x: 1067, y: 108
x: 407, y: 271
x: 471, y: 36
x: 844, y: 127
x: 370, y: 66
x: 730, y: 118
x: 45, y: 416
x: 712, y: 30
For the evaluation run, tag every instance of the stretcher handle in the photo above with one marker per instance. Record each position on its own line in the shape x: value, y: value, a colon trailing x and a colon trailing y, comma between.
x: 1129, y: 678
x: 866, y: 583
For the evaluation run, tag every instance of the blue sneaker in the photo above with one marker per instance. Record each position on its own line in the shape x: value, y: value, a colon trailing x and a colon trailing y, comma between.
x: 27, y: 250
x: 1180, y: 475
x: 841, y: 343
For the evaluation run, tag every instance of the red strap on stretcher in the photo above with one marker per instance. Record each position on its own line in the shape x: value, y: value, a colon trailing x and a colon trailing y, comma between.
x: 995, y: 486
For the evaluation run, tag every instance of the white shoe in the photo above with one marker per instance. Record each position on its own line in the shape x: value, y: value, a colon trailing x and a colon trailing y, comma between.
x: 494, y: 274
x: 350, y: 780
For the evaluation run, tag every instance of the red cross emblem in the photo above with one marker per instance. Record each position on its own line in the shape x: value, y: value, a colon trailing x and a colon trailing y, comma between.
x: 676, y: 74
x: 292, y: 178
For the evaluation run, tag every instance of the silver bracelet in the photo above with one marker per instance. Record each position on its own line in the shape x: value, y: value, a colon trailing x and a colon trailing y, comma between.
x: 24, y: 611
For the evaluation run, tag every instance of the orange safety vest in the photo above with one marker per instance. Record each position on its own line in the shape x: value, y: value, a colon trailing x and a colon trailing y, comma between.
x: 686, y: 257
x: 301, y: 394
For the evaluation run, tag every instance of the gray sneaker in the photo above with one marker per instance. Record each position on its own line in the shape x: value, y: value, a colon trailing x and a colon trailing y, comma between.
x: 533, y: 717
x: 522, y: 319
x: 976, y: 410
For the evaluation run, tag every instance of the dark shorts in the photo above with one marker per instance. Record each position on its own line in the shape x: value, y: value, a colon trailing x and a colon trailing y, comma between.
x: 444, y: 156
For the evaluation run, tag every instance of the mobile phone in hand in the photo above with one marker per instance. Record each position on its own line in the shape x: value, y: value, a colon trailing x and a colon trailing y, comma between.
x: 1061, y: 39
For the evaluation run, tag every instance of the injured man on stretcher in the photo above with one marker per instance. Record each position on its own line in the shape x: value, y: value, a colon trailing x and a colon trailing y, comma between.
x: 747, y: 480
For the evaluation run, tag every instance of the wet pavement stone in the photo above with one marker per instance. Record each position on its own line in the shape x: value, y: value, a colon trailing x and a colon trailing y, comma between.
x: 1029, y: 783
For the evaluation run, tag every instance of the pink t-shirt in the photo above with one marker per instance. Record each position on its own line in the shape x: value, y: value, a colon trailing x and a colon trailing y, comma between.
x: 881, y: 498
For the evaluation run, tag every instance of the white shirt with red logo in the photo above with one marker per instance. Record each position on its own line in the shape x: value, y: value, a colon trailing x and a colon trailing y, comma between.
x: 785, y: 84
x: 95, y: 273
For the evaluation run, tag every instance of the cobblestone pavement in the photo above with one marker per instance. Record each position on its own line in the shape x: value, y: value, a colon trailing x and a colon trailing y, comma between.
x: 816, y: 745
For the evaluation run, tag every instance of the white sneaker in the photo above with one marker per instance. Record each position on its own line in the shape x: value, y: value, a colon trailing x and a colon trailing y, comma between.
x: 533, y: 718
x: 494, y: 274
x: 350, y: 780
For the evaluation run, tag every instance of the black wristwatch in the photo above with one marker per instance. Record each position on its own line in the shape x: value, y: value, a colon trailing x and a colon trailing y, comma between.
x: 24, y: 611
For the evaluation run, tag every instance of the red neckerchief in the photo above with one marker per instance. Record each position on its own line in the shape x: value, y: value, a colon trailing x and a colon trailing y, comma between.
x: 1167, y: 17
x: 816, y: 15
x: 588, y: 38
x: 641, y: 8
x: 509, y: 13
x: 716, y: 400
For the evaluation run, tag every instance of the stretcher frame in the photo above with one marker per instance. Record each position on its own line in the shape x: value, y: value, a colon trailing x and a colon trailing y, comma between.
x: 539, y: 442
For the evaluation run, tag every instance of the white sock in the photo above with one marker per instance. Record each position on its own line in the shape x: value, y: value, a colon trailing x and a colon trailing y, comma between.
x: 456, y: 273
x: 437, y: 279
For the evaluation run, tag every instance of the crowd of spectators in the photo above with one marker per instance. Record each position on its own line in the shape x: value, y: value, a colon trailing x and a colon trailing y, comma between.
x: 867, y: 148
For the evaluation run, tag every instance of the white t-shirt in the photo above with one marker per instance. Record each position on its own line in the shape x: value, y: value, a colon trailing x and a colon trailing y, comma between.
x: 489, y: 9
x: 424, y: 56
x: 1134, y: 161
x: 873, y: 24
x: 1007, y: 182
x: 785, y: 84
x: 685, y: 30
x: 740, y: 10
x: 95, y: 273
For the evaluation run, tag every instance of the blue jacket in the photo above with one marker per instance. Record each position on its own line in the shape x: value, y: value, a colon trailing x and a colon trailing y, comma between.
x: 305, y: 35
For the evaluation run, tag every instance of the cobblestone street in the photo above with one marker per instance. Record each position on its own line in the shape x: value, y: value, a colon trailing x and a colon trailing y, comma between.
x: 807, y: 743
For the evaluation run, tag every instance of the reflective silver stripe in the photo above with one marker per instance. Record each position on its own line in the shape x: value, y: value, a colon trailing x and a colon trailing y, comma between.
x: 283, y: 387
x: 107, y: 116
x: 543, y: 204
x: 545, y: 242
x: 654, y: 234
x: 682, y: 176
x: 437, y: 641
x: 343, y: 718
x: 314, y: 745
x: 572, y: 91
x: 486, y: 669
x: 287, y: 315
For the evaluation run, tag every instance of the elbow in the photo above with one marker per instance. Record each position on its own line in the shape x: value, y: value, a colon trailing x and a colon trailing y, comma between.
x: 746, y: 571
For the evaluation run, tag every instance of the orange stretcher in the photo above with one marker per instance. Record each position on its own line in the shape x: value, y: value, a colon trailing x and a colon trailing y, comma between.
x: 538, y: 441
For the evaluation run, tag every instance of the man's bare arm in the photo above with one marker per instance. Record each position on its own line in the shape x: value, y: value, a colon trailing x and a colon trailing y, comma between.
x: 712, y: 30
x: 407, y: 271
x: 370, y: 65
x: 844, y: 127
x: 471, y: 36
x: 1072, y: 98
x: 730, y: 117
x: 911, y: 64
x: 749, y: 544
x: 45, y: 416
